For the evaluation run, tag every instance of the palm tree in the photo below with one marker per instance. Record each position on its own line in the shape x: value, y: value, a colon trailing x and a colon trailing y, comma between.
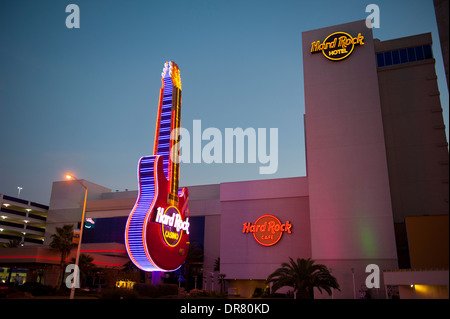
x: 86, y: 266
x: 303, y: 275
x: 13, y: 243
x: 62, y: 241
x: 194, y: 257
x: 217, y: 264
x: 130, y: 272
x: 222, y: 283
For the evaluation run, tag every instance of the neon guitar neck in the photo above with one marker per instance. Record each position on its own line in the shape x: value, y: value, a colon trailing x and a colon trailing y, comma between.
x: 168, y: 121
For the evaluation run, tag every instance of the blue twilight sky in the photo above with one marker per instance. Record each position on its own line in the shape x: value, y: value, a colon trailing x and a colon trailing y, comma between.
x: 85, y: 100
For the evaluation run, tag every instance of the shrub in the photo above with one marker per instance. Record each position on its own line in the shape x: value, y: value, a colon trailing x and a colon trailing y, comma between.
x: 156, y: 291
x: 197, y: 293
x: 37, y: 289
x: 258, y: 292
x: 167, y: 290
x: 119, y: 293
x: 146, y: 290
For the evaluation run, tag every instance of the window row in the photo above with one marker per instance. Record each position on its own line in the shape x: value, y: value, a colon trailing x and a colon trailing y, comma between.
x: 400, y: 56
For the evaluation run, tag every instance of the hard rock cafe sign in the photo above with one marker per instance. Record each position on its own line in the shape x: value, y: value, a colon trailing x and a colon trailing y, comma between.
x: 267, y: 229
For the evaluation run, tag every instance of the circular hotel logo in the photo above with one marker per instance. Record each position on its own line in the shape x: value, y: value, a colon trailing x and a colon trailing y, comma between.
x: 267, y: 229
x: 169, y: 230
x: 337, y: 46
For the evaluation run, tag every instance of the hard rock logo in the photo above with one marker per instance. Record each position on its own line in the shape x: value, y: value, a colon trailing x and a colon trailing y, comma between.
x: 337, y: 46
x: 267, y: 229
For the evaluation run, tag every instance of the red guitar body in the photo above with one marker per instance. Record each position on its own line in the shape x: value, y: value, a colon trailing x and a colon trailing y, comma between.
x: 166, y: 256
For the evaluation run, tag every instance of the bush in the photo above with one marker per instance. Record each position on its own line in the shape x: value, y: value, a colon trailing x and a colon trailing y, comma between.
x: 258, y: 292
x: 119, y: 293
x: 13, y: 293
x: 146, y: 290
x: 197, y: 293
x: 167, y: 290
x: 277, y: 295
x: 156, y: 291
x: 37, y: 289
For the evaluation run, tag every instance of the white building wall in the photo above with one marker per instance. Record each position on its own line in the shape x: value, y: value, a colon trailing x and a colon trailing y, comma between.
x: 242, y: 257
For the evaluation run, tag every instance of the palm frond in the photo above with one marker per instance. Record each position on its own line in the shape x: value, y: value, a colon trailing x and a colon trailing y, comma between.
x: 303, y: 275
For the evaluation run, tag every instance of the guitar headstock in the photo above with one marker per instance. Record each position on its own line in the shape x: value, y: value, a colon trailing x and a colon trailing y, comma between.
x: 172, y: 70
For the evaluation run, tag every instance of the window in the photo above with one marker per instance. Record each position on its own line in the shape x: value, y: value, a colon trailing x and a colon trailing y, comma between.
x: 380, y: 59
x: 411, y: 55
x: 427, y: 51
x: 419, y: 53
x: 403, y: 56
x: 396, y: 57
x: 393, y: 57
x: 388, y: 58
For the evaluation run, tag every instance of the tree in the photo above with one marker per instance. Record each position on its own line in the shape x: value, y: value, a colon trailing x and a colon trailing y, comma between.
x: 222, y: 283
x: 303, y: 275
x: 130, y: 272
x: 217, y: 264
x: 221, y: 276
x: 13, y: 243
x: 86, y: 266
x: 62, y: 241
x: 194, y: 257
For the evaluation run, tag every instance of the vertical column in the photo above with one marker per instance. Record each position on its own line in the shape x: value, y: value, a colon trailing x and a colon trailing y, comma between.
x: 350, y: 204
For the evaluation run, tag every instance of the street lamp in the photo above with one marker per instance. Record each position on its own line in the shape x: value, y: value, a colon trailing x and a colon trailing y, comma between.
x: 18, y: 193
x: 72, y: 290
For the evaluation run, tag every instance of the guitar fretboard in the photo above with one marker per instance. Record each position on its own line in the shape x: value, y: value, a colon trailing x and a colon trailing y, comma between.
x: 167, y: 121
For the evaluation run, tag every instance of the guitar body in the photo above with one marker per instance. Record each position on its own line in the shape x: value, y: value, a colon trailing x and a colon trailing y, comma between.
x: 144, y: 233
x: 157, y: 230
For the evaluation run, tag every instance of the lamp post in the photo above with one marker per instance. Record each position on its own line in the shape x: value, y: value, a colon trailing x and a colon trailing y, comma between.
x: 75, y: 273
x: 354, y: 289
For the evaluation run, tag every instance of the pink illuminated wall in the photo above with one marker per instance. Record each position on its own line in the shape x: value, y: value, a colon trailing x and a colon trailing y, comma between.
x: 350, y: 204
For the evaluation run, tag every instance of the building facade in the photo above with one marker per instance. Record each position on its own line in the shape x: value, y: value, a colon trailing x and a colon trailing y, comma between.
x: 22, y: 222
x: 376, y: 146
x: 376, y: 190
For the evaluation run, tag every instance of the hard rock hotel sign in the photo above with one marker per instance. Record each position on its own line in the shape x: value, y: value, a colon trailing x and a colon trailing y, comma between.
x: 337, y: 46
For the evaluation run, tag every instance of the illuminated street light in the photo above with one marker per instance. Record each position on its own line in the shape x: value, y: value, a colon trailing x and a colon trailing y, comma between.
x: 19, y: 188
x: 76, y: 274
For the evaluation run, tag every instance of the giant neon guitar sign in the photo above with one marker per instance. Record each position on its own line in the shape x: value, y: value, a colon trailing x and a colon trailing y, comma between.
x: 157, y: 230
